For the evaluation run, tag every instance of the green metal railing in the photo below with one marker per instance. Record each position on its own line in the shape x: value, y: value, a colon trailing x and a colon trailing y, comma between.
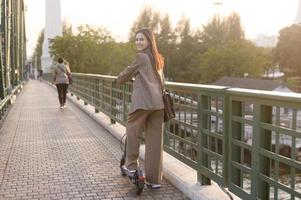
x: 12, y: 45
x: 246, y: 140
x: 268, y: 164
x: 4, y: 103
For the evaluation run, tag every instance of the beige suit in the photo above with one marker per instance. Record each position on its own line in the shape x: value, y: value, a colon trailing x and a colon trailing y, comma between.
x: 146, y: 113
x: 146, y: 94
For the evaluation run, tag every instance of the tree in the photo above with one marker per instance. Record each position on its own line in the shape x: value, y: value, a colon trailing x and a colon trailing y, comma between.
x: 166, y: 43
x: 235, y: 59
x: 147, y: 19
x: 214, y: 33
x: 92, y: 50
x: 163, y: 31
x: 228, y: 53
x: 234, y: 31
x: 219, y: 31
x: 288, y: 51
x: 67, y: 28
x: 219, y: 49
x: 187, y: 50
x: 38, y: 51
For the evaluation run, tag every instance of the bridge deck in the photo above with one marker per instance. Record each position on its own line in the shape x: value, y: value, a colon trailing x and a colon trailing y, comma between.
x: 48, y: 153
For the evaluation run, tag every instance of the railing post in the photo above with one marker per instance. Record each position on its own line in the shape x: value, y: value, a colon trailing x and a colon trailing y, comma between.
x: 113, y: 104
x: 266, y: 142
x: 93, y: 93
x: 227, y: 140
x: 199, y: 142
x: 294, y: 152
x: 102, y: 95
x: 235, y: 154
x: 79, y: 85
x: 86, y: 90
x: 204, y: 123
x: 124, y: 103
x: 96, y: 95
x: 261, y: 140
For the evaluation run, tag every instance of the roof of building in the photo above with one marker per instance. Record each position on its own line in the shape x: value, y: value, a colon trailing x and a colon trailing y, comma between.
x: 249, y: 83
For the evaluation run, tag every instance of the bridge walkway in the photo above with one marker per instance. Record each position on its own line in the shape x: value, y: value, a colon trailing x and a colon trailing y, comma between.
x: 52, y: 153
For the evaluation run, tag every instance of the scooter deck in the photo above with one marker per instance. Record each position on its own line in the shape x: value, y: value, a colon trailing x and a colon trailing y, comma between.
x: 138, y: 178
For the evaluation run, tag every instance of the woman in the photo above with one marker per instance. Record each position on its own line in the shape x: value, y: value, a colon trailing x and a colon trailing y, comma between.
x: 60, y: 78
x: 146, y: 111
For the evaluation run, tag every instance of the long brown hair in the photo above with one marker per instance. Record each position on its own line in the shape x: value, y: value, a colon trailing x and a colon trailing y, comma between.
x: 158, y: 58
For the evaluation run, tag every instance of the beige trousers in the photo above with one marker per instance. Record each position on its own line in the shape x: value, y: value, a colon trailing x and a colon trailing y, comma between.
x: 152, y: 122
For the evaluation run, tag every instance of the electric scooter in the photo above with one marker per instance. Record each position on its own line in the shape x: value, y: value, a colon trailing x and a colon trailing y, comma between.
x: 137, y: 178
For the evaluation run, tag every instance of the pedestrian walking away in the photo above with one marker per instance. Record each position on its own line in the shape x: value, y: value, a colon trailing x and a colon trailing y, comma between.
x: 146, y: 110
x: 40, y: 75
x: 60, y: 79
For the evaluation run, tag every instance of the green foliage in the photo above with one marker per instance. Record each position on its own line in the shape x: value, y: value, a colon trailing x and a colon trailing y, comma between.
x: 166, y: 43
x: 201, y: 56
x: 147, y: 19
x: 293, y: 83
x: 92, y: 50
x: 234, y: 31
x: 185, y: 57
x: 213, y: 34
x: 228, y: 53
x: 38, y: 51
x: 234, y: 59
x: 67, y: 29
x: 218, y: 32
x: 177, y: 46
x: 288, y: 50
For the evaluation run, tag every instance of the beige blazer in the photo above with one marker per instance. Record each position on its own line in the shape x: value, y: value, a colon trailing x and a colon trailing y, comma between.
x: 147, y: 94
x: 59, y: 76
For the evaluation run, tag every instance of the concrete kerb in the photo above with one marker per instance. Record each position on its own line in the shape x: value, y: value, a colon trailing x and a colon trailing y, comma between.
x: 176, y: 172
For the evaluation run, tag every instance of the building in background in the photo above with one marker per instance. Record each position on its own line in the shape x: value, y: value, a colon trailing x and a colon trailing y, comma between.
x: 53, y: 28
x: 298, y: 16
x: 268, y: 41
x: 254, y: 84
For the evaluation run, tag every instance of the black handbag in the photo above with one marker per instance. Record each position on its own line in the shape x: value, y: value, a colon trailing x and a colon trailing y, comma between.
x: 169, y: 112
x: 70, y: 79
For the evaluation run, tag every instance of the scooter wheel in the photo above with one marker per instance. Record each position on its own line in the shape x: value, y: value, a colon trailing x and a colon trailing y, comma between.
x: 140, y: 186
x: 122, y: 162
x: 139, y: 181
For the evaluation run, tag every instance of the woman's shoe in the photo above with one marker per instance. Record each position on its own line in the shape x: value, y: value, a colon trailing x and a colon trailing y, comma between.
x: 153, y: 185
x: 128, y: 171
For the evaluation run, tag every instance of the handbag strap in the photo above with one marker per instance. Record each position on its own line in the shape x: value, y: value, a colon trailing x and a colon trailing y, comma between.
x: 62, y: 70
x: 157, y: 75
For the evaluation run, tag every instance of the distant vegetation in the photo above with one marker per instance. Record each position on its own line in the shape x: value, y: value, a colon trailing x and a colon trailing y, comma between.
x: 217, y: 49
x: 288, y: 54
x: 38, y: 51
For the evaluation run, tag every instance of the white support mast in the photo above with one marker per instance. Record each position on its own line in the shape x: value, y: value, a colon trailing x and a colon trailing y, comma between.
x: 53, y: 28
x: 298, y: 17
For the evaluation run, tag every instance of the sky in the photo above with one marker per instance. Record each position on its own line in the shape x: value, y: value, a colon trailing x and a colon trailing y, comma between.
x: 117, y: 16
